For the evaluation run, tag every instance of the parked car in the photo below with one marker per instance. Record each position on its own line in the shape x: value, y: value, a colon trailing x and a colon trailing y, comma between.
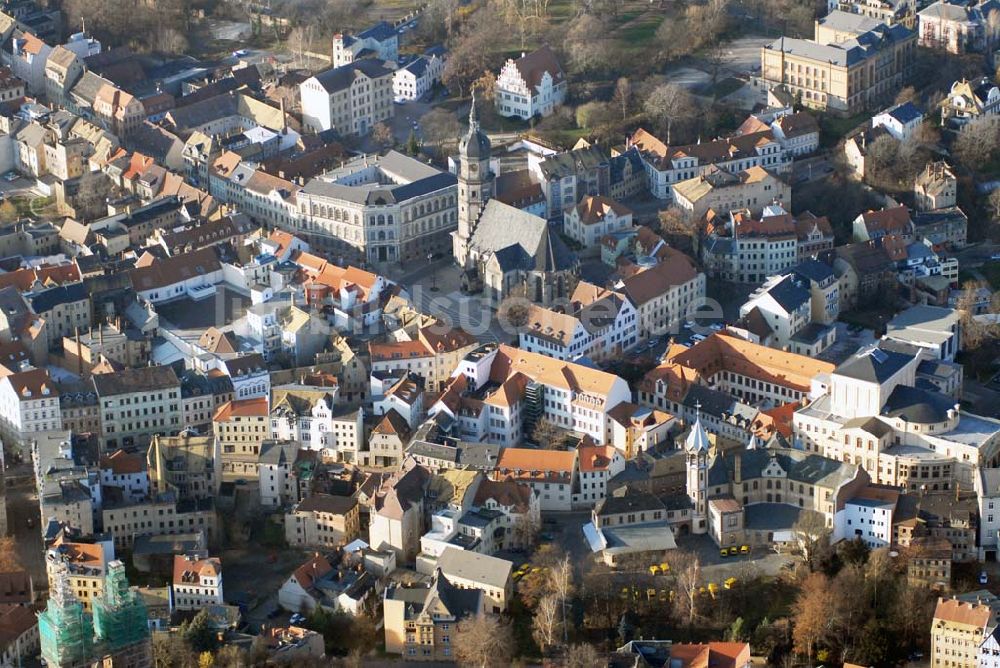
x: 983, y: 578
x: 995, y: 256
x: 10, y: 176
x: 698, y: 338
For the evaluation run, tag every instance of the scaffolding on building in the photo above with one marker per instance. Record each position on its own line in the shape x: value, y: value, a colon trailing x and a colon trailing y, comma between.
x: 120, y: 616
x: 65, y: 629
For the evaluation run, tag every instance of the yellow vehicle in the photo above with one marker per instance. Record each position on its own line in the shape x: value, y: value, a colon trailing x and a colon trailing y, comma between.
x: 665, y: 568
x: 713, y: 588
x: 745, y: 549
x: 724, y: 552
x: 654, y: 569
x: 702, y: 590
x: 730, y: 583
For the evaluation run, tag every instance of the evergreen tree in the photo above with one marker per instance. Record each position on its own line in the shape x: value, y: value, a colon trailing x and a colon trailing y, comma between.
x: 412, y: 145
x: 199, y: 636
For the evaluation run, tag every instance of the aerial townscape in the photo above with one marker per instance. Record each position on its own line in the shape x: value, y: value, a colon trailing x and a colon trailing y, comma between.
x: 489, y: 333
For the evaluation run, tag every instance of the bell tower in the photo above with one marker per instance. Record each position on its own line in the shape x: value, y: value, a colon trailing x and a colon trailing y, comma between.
x: 475, y: 184
x: 696, y: 448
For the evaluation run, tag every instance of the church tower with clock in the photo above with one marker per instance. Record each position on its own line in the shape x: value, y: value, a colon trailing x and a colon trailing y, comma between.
x: 475, y: 185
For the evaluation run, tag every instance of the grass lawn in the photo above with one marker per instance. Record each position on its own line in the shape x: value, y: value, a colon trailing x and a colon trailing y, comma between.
x: 563, y: 137
x: 834, y: 128
x: 640, y: 32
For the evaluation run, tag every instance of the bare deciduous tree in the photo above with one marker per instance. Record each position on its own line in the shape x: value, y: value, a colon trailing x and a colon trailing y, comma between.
x: 483, y: 641
x: 545, y: 622
x: 686, y: 568
x: 586, y: 44
x: 668, y: 104
x: 583, y: 656
x: 812, y: 533
x: 623, y: 95
x: 977, y: 142
x: 382, y: 134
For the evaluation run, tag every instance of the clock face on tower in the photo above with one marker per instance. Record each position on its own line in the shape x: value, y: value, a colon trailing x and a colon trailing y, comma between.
x: 473, y: 168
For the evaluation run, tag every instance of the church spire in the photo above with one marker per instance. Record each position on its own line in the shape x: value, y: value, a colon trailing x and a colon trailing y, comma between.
x: 697, y: 439
x: 473, y: 115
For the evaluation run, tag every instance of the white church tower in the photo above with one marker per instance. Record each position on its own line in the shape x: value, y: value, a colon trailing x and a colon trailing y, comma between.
x: 696, y: 447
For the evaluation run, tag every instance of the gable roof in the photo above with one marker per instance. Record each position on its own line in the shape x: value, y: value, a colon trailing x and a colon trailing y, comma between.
x: 533, y: 66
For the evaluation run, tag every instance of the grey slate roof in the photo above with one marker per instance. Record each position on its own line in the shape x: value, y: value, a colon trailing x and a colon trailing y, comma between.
x: 867, y: 366
x: 136, y: 380
x: 479, y: 568
x: 905, y: 113
x: 339, y: 78
x: 789, y: 295
x: 46, y: 300
x: 627, y: 499
x: 798, y: 465
x: 918, y: 405
x: 813, y: 270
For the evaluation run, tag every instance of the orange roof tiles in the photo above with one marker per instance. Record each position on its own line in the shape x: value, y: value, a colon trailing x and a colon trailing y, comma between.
x: 256, y: 407
x: 526, y: 460
x: 123, y: 463
x: 958, y: 612
x: 722, y: 352
x: 32, y: 385
x: 311, y: 571
x: 593, y: 209
x: 595, y: 457
x: 712, y: 655
x: 185, y: 565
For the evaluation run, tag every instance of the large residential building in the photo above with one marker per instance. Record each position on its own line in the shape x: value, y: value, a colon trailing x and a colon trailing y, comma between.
x: 958, y: 28
x: 197, y: 582
x: 379, y: 41
x: 351, y: 98
x: 666, y: 294
x: 667, y: 166
x: 389, y: 208
x: 883, y: 11
x: 595, y: 216
x: 720, y: 190
x: 597, y: 324
x: 29, y: 403
x: 936, y: 187
x: 471, y: 570
x: 136, y: 404
x: 532, y: 85
x: 744, y: 248
x: 240, y: 427
x: 186, y: 465
x: 433, y: 354
x: 497, y: 391
x: 421, y: 620
x: 323, y: 520
x: 794, y: 311
x: 969, y: 101
x: 849, y: 66
x: 960, y: 627
x: 312, y: 416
